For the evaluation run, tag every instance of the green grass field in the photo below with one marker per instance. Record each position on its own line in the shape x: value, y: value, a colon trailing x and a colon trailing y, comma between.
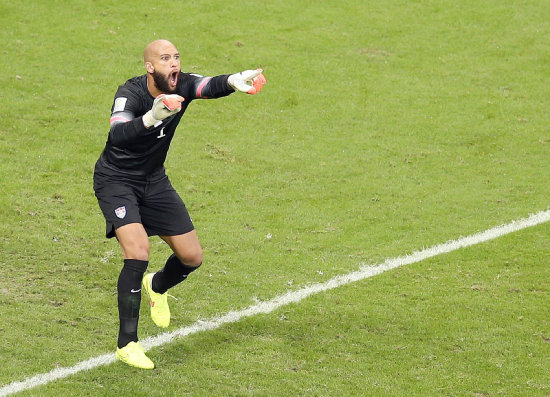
x: 385, y: 127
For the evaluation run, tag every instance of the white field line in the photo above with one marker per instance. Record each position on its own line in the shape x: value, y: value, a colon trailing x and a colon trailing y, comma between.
x: 364, y: 272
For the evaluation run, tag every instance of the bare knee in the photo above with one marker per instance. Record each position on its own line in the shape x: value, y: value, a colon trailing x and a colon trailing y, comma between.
x: 186, y: 247
x: 191, y: 257
x: 134, y: 241
x: 136, y: 249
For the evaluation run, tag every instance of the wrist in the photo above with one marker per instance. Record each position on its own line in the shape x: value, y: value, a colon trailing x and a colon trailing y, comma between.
x: 230, y: 82
x: 149, y: 120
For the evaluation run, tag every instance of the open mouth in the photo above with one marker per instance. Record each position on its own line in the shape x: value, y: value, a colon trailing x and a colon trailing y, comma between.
x: 174, y: 78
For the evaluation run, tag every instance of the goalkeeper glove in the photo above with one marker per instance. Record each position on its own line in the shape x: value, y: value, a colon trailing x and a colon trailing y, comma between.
x: 164, y: 106
x: 240, y: 81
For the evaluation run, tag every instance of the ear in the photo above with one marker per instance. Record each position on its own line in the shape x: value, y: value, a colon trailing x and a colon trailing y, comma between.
x: 149, y: 67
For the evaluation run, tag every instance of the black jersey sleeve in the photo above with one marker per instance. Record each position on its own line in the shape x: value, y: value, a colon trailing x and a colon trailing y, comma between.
x: 123, y: 133
x: 126, y: 121
x: 195, y: 86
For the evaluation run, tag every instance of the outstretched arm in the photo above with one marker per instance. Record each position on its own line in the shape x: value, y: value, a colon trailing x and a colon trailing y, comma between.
x: 249, y: 81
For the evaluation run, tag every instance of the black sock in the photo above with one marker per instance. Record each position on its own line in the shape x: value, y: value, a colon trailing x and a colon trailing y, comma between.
x: 173, y: 273
x: 129, y: 299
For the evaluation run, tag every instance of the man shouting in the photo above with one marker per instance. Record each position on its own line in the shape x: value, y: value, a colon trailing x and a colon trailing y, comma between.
x: 134, y: 192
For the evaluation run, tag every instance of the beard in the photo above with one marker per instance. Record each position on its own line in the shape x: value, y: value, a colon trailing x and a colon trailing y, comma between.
x: 162, y: 83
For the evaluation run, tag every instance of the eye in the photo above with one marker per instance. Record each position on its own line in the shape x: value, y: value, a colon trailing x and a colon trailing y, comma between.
x: 176, y: 57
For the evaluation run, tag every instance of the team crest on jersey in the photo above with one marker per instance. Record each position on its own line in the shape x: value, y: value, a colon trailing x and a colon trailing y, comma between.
x: 120, y: 212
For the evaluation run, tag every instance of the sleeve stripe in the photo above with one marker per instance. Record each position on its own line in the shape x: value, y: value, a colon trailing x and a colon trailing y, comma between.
x: 119, y: 119
x: 202, y: 85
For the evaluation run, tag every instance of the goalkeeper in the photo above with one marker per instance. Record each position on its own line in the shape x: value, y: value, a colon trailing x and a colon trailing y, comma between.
x: 134, y: 193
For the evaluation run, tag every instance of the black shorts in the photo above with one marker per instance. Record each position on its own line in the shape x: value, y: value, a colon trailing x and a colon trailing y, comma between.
x: 153, y: 203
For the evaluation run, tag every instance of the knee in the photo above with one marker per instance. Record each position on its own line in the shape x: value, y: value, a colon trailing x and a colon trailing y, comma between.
x: 137, y: 249
x: 192, y: 257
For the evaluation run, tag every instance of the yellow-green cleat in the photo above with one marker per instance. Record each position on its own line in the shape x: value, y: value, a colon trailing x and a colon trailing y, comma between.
x: 134, y: 355
x: 160, y: 312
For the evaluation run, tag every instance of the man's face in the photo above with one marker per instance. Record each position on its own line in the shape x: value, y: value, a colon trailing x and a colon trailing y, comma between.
x: 166, y: 68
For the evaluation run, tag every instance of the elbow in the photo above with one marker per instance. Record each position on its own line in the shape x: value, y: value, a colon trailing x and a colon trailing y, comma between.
x: 115, y: 134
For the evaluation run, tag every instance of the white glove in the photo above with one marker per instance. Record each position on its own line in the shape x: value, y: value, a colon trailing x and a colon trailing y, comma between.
x: 164, y: 106
x: 240, y: 81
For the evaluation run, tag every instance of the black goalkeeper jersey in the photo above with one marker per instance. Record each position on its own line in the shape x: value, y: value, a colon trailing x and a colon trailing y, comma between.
x: 135, y: 152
